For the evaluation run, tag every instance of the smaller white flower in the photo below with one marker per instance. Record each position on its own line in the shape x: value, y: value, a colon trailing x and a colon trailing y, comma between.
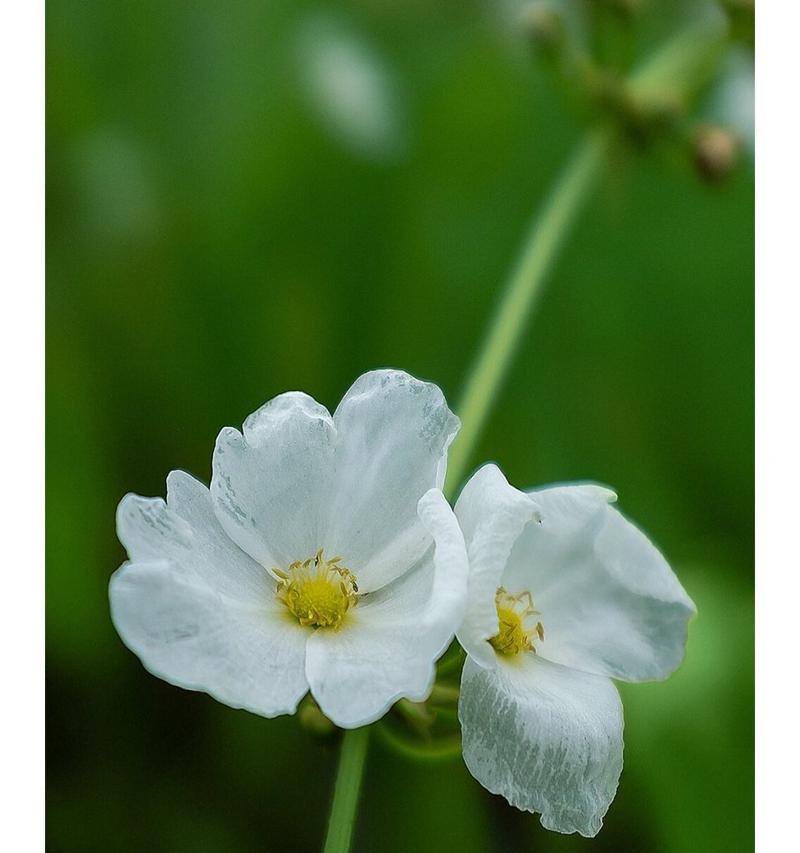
x: 324, y: 557
x: 564, y: 594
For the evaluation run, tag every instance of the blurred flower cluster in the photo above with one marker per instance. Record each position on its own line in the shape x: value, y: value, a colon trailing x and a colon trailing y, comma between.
x: 593, y: 50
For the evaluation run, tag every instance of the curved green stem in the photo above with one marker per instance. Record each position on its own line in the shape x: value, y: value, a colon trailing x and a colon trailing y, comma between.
x: 345, y: 794
x: 443, y: 749
x: 681, y: 66
x: 525, y: 286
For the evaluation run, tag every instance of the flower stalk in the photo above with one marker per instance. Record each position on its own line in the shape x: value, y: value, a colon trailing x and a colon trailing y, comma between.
x: 524, y: 288
x: 348, y: 787
x: 672, y: 74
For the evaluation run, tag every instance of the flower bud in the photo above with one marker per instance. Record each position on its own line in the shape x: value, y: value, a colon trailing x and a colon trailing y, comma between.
x: 716, y: 152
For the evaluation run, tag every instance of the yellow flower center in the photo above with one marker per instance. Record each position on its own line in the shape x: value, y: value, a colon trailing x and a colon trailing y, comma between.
x: 316, y: 591
x: 514, y: 613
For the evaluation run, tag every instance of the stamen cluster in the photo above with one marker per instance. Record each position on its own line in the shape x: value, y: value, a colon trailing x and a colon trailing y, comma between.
x: 514, y: 612
x: 318, y: 592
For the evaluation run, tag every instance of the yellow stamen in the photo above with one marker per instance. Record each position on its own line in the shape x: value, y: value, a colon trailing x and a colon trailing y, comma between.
x: 513, y: 613
x: 318, y: 592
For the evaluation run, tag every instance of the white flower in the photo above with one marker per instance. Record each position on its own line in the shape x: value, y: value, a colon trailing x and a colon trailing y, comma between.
x: 564, y: 595
x: 324, y: 557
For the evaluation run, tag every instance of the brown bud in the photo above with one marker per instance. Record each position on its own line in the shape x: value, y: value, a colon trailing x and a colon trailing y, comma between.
x: 716, y: 152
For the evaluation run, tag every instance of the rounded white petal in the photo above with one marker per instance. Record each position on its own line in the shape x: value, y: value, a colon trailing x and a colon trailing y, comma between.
x: 609, y: 603
x: 545, y: 737
x: 387, y: 647
x: 393, y: 434
x: 492, y: 515
x: 246, y: 656
x: 271, y: 485
x: 185, y: 531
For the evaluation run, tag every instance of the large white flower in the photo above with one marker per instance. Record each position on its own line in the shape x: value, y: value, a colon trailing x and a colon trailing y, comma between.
x: 564, y: 595
x: 324, y: 557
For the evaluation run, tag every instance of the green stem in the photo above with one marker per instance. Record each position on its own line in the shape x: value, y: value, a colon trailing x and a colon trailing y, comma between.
x: 680, y: 67
x: 525, y: 286
x: 345, y: 795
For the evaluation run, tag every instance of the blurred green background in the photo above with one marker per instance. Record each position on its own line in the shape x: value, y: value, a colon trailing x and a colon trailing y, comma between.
x: 251, y: 197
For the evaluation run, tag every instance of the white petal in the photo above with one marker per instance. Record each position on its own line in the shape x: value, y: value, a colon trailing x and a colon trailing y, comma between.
x: 492, y: 515
x: 393, y: 434
x: 192, y: 636
x: 387, y: 647
x: 271, y: 486
x: 609, y: 602
x: 547, y: 738
x: 197, y: 610
x: 185, y: 531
